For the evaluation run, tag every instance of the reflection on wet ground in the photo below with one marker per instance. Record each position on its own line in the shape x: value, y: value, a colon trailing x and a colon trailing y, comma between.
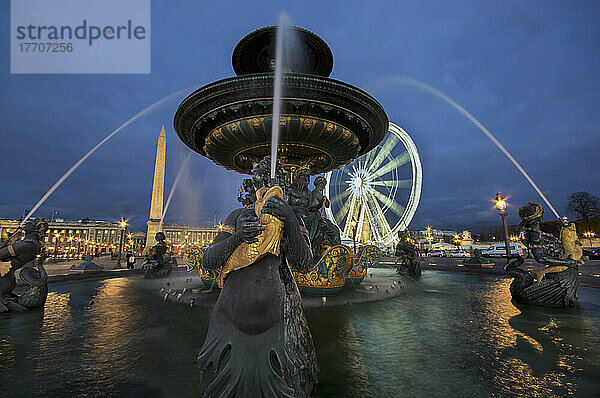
x: 451, y: 334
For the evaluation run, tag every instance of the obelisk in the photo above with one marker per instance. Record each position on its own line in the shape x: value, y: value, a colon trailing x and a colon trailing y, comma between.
x: 158, y: 189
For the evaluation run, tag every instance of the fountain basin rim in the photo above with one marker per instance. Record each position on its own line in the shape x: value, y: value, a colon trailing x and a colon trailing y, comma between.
x: 286, y: 76
x: 368, y: 118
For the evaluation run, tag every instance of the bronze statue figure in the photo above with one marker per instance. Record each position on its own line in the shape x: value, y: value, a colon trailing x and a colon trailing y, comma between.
x: 476, y: 260
x: 555, y: 285
x: 157, y: 265
x: 406, y: 252
x: 322, y: 232
x: 248, y: 200
x: 298, y: 193
x: 20, y: 253
x: 258, y: 341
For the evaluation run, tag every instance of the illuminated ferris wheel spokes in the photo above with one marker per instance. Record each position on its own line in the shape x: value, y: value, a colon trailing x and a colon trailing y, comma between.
x: 367, y: 194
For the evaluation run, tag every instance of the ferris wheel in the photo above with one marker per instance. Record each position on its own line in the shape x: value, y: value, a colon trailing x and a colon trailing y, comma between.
x: 377, y: 194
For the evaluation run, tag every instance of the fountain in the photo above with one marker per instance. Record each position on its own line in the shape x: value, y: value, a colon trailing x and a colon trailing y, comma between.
x: 258, y: 339
x: 324, y: 124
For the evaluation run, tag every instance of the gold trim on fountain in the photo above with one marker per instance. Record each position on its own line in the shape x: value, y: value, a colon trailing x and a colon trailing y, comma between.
x: 314, y: 143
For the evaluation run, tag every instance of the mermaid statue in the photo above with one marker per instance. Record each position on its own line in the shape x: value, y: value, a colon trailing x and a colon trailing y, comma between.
x: 558, y: 283
x: 19, y: 253
x: 258, y: 342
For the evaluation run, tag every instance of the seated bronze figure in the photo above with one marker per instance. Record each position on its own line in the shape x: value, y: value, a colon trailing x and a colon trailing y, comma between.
x: 20, y: 253
x: 555, y: 285
x: 158, y: 265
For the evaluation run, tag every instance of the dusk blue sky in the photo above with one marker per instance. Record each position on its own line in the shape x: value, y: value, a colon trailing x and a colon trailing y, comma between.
x: 528, y: 71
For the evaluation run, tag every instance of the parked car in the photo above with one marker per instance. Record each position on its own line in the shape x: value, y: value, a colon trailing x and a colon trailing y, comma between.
x: 437, y: 253
x: 499, y: 250
x: 458, y: 253
x: 593, y: 253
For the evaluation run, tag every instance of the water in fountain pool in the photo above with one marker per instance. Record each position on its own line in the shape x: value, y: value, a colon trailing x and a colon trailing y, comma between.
x: 451, y: 335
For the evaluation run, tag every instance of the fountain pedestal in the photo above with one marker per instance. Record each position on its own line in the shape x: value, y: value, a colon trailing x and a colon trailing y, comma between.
x: 258, y: 339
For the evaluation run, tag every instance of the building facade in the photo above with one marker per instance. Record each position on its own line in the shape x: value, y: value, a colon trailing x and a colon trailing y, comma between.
x: 75, y: 238
x: 71, y: 238
x: 182, y: 236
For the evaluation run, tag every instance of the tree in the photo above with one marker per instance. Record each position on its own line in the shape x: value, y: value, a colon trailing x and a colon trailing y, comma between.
x: 584, y: 205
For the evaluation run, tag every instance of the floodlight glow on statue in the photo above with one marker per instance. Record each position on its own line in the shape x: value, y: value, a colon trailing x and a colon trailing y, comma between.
x: 369, y: 190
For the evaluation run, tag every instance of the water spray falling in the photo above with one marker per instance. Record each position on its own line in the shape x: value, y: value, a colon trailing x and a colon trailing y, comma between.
x: 282, y: 30
x: 179, y: 174
x: 439, y: 94
x: 108, y: 137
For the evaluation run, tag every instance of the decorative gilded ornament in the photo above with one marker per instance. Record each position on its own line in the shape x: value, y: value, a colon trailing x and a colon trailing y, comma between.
x: 269, y: 241
x: 255, y: 122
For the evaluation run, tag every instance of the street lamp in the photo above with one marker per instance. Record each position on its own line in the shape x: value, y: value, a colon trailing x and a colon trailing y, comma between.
x: 429, y: 238
x: 70, y: 239
x: 589, y: 235
x: 501, y: 206
x: 78, y: 245
x: 354, y: 225
x: 123, y: 225
x: 457, y: 240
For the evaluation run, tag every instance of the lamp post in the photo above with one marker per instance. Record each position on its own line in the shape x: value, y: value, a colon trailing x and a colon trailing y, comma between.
x: 589, y: 235
x: 457, y: 241
x: 354, y: 225
x: 130, y: 241
x: 123, y: 225
x: 56, y: 236
x: 501, y: 206
x: 70, y: 239
x: 429, y: 239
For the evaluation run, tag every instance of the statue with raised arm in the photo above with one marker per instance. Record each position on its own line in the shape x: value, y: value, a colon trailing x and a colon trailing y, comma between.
x: 19, y: 253
x: 322, y: 232
x: 558, y: 283
x: 258, y: 342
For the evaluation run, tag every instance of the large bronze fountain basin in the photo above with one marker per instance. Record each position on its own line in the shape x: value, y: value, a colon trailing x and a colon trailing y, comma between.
x: 324, y: 123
